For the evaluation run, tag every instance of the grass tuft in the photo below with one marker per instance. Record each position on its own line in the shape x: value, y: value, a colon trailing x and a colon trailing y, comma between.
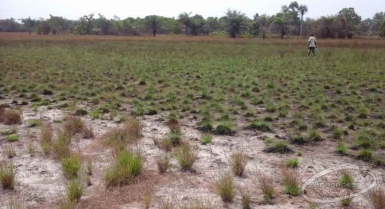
x: 290, y: 182
x: 186, y: 156
x: 7, y: 176
x: 266, y: 185
x: 377, y: 198
x: 163, y: 163
x: 279, y: 147
x: 225, y: 187
x: 71, y: 166
x: 238, y: 163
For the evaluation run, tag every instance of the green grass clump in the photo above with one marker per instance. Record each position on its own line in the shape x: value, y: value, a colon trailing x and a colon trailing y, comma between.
x: 346, y: 180
x: 292, y: 163
x: 127, y: 165
x: 71, y: 166
x: 226, y: 187
x: 74, y: 190
x: 365, y: 154
x: 206, y: 139
x: 186, y: 157
x: 314, y: 135
x: 260, y: 126
x: 7, y: 176
x: 279, y: 147
x: 13, y: 138
x: 298, y: 139
x: 365, y: 140
x: 266, y: 185
x: 290, y: 182
x: 225, y: 128
x: 341, y: 148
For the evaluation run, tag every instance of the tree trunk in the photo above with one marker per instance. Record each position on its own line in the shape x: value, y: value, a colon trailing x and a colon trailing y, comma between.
x: 300, y: 32
x: 186, y: 30
x: 154, y: 32
x: 263, y: 33
x: 282, y: 32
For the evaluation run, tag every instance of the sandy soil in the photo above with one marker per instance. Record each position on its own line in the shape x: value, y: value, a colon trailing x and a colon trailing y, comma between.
x: 41, y: 184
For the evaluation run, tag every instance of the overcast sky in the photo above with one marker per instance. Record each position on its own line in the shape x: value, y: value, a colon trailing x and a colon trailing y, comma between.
x: 73, y: 9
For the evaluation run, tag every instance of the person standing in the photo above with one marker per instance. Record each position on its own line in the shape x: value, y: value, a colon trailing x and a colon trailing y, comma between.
x: 312, y: 45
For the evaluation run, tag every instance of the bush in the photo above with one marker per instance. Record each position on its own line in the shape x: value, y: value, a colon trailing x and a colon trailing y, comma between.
x: 238, y: 163
x: 226, y: 188
x: 292, y: 163
x: 7, y: 176
x: 260, y: 126
x: 186, y: 157
x: 279, y: 147
x: 290, y: 182
x: 127, y: 165
x: 71, y: 166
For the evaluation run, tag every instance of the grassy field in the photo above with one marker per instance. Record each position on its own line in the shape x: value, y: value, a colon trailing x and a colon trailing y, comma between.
x: 222, y: 85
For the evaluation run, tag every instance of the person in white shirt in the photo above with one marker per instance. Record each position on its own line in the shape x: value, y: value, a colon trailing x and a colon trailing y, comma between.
x: 312, y: 45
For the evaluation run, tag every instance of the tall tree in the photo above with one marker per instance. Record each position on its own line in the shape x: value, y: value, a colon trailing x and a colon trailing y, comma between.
x: 196, y: 24
x: 382, y: 30
x: 302, y: 10
x: 184, y: 18
x: 282, y: 19
x: 350, y: 20
x: 29, y: 24
x: 236, y: 22
x: 153, y: 22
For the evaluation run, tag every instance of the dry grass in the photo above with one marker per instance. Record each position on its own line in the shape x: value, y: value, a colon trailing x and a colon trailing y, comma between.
x: 291, y: 182
x: 186, y: 156
x: 61, y: 146
x: 88, y: 132
x: 15, y: 38
x: 73, y: 125
x: 7, y: 176
x: 10, y: 151
x: 226, y: 187
x: 238, y: 163
x: 119, y: 138
x: 10, y: 117
x: 377, y: 198
x: 46, y: 137
x: 163, y: 163
x: 266, y: 185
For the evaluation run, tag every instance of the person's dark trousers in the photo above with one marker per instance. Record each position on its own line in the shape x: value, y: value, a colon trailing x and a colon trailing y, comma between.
x: 311, y: 50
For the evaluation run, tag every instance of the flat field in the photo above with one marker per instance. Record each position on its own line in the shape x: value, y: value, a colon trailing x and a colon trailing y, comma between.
x: 222, y: 97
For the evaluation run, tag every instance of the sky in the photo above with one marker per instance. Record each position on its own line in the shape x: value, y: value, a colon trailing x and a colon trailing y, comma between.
x: 73, y: 9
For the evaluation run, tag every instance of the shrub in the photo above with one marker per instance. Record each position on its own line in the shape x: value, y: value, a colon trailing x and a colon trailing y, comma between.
x: 377, y: 198
x: 163, y: 163
x: 365, y: 154
x: 13, y: 138
x: 279, y: 147
x: 267, y: 187
x: 238, y: 163
x: 74, y: 190
x: 225, y: 128
x: 206, y: 139
x: 127, y: 165
x: 341, y: 148
x: 186, y: 157
x: 7, y: 176
x: 292, y: 163
x: 71, y: 166
x: 290, y: 182
x: 347, y: 180
x: 225, y: 187
x: 260, y: 126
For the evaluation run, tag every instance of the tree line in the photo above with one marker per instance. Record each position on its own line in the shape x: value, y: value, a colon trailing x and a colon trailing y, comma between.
x: 288, y: 22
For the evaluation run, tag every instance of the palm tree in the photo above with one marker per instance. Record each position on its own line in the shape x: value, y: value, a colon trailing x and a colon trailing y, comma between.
x: 302, y: 9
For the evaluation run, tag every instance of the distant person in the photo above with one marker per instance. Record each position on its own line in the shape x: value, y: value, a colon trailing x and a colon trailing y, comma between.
x: 312, y: 45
